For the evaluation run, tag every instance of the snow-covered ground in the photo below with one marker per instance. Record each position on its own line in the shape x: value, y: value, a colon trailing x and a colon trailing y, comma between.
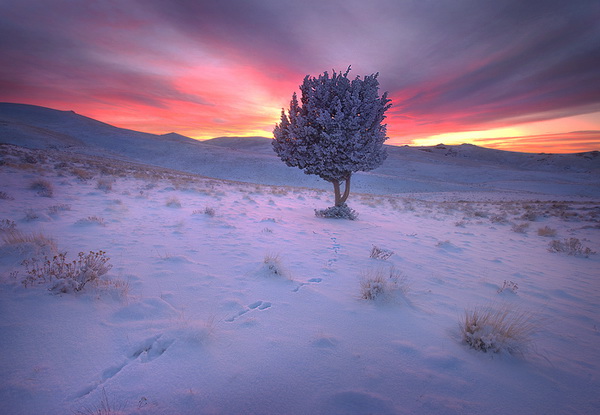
x: 233, y: 298
x: 454, y: 172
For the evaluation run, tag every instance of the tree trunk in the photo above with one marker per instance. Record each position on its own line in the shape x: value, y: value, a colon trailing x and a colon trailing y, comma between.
x: 340, y: 198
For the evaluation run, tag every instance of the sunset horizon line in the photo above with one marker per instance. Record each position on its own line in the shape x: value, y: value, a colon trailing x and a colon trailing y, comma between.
x: 585, y: 140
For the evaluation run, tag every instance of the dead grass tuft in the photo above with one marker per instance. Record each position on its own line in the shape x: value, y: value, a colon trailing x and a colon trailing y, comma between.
x: 570, y: 246
x: 546, y: 231
x: 497, y: 331
x: 173, y: 202
x: 380, y: 253
x: 273, y: 266
x: 13, y: 237
x: 43, y: 187
x: 382, y: 284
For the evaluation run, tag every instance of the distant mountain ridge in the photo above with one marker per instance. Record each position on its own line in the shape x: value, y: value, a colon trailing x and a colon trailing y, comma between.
x: 441, y: 168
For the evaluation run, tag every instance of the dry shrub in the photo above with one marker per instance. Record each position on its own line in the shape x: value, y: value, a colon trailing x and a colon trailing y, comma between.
x: 273, y: 267
x: 173, y: 202
x: 67, y: 276
x: 43, y: 187
x: 20, y: 245
x: 510, y: 286
x: 82, y: 174
x: 337, y: 212
x: 546, y: 231
x: 382, y: 284
x: 380, y: 253
x: 103, y: 408
x: 570, y: 246
x: 7, y: 225
x: 91, y: 220
x: 53, y: 210
x: 13, y: 237
x: 496, y: 331
x: 499, y: 218
x: 31, y: 215
x: 6, y: 196
x: 520, y: 228
x: 104, y: 184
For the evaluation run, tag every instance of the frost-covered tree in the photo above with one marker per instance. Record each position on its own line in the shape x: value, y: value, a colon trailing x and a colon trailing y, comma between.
x: 335, y: 130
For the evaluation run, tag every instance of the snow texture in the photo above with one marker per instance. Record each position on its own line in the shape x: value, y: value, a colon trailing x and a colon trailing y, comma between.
x: 191, y: 318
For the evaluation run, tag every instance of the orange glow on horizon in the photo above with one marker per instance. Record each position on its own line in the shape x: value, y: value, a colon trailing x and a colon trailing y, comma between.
x: 220, y: 105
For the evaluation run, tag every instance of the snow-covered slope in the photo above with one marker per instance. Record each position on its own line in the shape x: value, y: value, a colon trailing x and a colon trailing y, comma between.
x: 230, y: 298
x: 408, y: 170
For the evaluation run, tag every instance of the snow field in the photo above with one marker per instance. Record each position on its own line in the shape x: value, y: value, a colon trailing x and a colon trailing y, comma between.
x: 201, y: 324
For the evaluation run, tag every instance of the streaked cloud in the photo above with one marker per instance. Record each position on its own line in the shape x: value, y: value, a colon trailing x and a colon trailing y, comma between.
x: 208, y: 68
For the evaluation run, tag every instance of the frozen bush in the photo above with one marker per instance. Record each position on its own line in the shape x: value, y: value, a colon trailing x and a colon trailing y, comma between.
x: 381, y: 284
x: 570, y: 246
x: 380, y: 253
x: 273, y: 267
x: 7, y: 225
x: 43, y: 187
x: 546, y: 231
x: 499, y: 218
x: 13, y: 237
x: 173, y: 202
x: 66, y: 276
x: 6, y: 196
x: 53, y: 210
x: 91, y: 220
x: 508, y: 285
x: 337, y: 212
x: 520, y: 228
x: 104, y: 184
x: 104, y: 407
x: 82, y: 174
x: 496, y: 331
x: 31, y: 215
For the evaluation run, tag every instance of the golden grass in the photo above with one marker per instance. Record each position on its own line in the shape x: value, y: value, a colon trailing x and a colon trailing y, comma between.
x: 497, y: 330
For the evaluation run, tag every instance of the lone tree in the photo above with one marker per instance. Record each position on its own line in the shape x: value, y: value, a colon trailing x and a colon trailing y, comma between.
x: 335, y: 131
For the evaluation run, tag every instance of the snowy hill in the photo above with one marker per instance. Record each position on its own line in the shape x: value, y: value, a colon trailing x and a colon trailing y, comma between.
x: 231, y: 298
x: 469, y: 283
x: 408, y: 170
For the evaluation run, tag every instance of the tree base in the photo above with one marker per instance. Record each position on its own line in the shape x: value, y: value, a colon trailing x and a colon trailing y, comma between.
x: 337, y: 212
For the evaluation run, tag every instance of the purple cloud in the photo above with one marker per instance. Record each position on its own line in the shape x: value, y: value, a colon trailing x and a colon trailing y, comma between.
x: 449, y: 66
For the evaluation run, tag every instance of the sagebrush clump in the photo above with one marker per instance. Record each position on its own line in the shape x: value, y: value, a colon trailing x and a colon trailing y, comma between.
x: 337, y: 212
x: 173, y: 202
x: 6, y: 196
x: 66, y: 276
x: 380, y: 253
x: 92, y: 220
x: 43, y: 187
x: 546, y: 231
x: 7, y: 225
x: 570, y: 246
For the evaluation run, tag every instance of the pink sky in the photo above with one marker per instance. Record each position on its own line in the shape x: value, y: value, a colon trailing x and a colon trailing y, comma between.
x: 513, y: 75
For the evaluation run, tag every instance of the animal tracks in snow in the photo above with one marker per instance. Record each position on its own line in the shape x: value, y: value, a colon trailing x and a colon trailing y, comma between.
x: 311, y: 281
x: 145, y: 352
x: 151, y: 349
x: 257, y: 305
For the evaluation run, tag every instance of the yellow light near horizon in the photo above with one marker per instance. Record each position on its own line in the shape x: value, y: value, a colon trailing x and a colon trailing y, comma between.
x: 526, y: 136
x: 470, y: 137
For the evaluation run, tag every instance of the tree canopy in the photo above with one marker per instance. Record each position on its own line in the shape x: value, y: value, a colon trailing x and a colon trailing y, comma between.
x: 335, y: 130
